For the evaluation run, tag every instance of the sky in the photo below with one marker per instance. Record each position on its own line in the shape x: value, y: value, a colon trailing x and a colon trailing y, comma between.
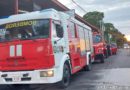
x: 115, y: 11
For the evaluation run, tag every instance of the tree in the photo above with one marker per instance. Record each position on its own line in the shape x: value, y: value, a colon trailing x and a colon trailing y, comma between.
x: 94, y: 18
x: 109, y: 27
x: 118, y: 37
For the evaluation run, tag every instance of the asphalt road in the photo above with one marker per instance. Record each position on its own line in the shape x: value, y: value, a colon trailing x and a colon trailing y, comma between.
x: 114, y: 74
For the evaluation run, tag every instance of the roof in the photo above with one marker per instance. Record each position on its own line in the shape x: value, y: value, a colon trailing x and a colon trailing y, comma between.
x: 64, y: 8
x: 44, y: 14
x: 28, y: 4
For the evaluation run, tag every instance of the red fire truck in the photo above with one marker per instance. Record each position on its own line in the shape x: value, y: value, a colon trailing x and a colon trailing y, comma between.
x: 43, y: 47
x: 100, y: 48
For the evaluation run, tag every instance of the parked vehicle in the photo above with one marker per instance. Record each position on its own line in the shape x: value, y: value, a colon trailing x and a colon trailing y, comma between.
x: 44, y: 47
x: 100, y: 50
x: 114, y: 48
x: 126, y: 46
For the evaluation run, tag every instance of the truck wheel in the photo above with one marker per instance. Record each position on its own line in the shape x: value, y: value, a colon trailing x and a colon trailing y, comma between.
x: 89, y: 66
x: 66, y: 77
x: 102, y: 59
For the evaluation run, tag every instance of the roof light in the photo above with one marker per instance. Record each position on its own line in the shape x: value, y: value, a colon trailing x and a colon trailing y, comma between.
x: 4, y: 17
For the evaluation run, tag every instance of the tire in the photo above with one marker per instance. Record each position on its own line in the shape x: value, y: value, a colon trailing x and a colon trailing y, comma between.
x: 89, y: 66
x: 102, y: 59
x: 64, y: 83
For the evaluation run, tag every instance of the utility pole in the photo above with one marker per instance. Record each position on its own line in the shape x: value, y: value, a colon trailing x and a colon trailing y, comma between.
x: 16, y: 6
x: 102, y: 28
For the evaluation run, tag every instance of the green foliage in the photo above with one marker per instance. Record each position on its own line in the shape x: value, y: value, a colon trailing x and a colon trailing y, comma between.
x: 116, y: 35
x: 109, y: 27
x: 94, y: 18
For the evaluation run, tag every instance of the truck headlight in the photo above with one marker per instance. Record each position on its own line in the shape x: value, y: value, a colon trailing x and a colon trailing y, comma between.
x: 49, y: 73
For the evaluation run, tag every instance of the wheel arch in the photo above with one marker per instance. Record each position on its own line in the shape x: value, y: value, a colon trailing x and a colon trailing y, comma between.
x: 64, y: 60
x: 88, y: 57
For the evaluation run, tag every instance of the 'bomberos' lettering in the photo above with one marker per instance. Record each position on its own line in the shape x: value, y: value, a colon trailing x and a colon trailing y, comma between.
x: 20, y: 24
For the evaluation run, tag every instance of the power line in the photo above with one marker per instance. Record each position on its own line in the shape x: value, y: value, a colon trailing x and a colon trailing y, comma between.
x: 79, y: 6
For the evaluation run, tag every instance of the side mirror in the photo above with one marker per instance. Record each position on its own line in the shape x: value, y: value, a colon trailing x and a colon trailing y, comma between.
x: 59, y: 30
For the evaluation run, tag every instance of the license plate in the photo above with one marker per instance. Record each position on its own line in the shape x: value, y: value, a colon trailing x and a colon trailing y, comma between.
x: 16, y: 79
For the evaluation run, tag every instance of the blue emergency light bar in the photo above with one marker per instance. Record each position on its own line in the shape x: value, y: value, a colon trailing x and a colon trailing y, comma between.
x: 4, y: 17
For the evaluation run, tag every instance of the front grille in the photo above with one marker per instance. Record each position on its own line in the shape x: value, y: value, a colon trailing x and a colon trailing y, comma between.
x: 22, y: 79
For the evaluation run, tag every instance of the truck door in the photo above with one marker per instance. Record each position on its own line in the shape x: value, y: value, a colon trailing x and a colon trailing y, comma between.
x: 58, y: 41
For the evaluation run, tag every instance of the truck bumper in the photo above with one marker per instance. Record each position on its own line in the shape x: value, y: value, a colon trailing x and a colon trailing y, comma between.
x: 97, y: 57
x: 29, y: 77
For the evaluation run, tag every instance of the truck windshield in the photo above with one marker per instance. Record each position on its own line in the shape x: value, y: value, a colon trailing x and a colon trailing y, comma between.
x: 97, y: 39
x: 29, y: 29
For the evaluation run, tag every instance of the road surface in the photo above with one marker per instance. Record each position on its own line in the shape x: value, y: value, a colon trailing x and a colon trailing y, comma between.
x: 114, y: 74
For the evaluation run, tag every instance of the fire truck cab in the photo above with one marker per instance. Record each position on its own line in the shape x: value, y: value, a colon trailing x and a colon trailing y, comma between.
x: 100, y: 48
x: 43, y: 47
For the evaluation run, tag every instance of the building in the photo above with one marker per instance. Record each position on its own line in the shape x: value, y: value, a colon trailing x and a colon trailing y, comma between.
x: 10, y: 7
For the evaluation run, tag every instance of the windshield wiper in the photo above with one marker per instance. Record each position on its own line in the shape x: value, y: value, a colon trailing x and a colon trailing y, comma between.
x: 30, y: 38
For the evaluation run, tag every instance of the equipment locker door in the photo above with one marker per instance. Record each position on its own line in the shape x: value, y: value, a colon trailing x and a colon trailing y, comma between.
x: 74, y: 47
